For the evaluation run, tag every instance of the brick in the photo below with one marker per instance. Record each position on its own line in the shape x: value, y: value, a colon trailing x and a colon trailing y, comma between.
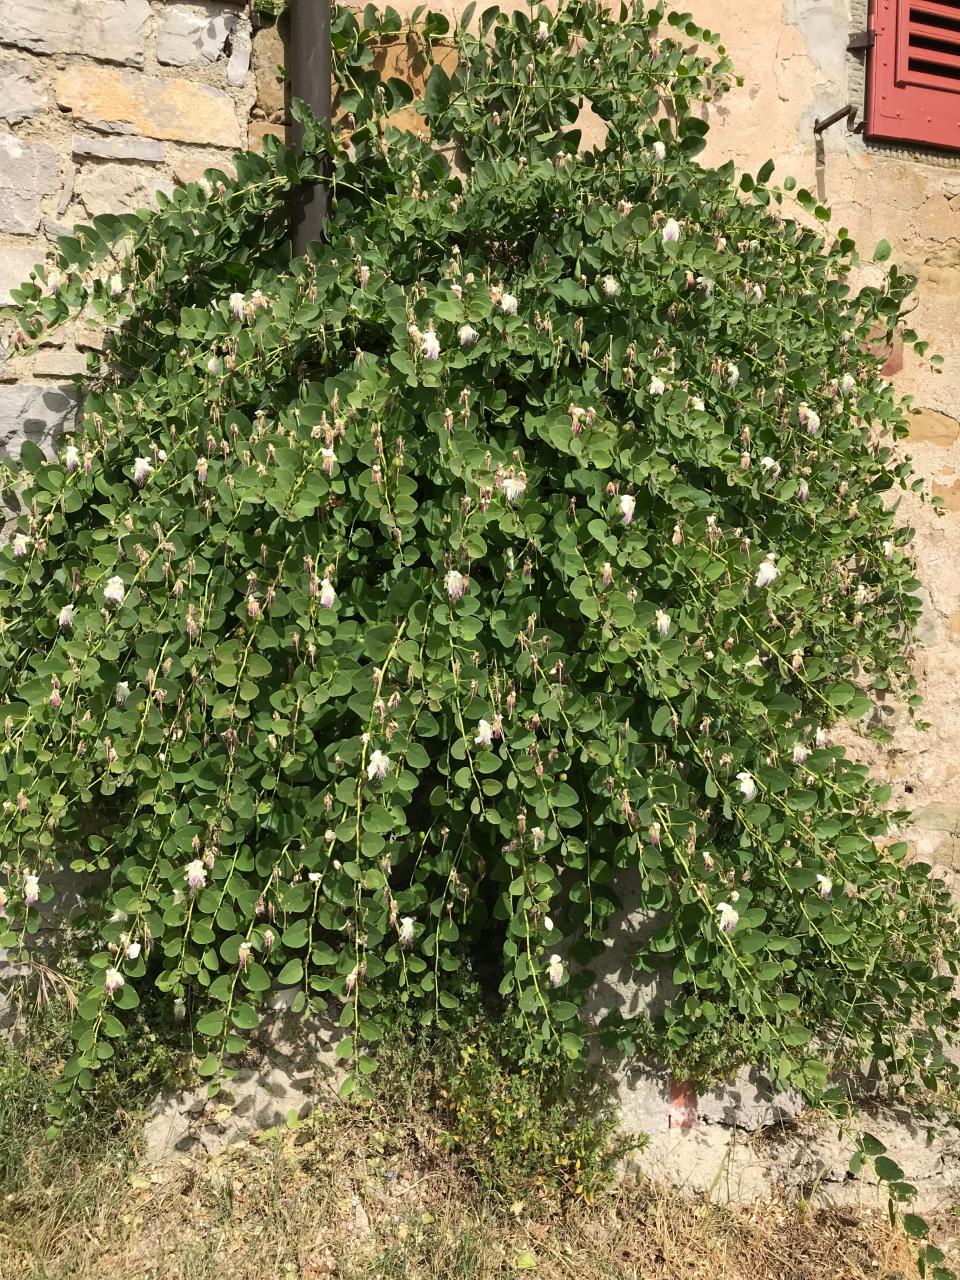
x: 119, y: 188
x: 929, y: 427
x: 16, y: 263
x: 32, y: 411
x: 21, y: 91
x: 193, y: 35
x: 173, y: 110
x: 124, y: 147
x: 111, y: 30
x: 28, y: 172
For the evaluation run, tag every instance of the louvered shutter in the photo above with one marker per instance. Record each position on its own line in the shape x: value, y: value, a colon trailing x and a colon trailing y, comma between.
x: 914, y: 72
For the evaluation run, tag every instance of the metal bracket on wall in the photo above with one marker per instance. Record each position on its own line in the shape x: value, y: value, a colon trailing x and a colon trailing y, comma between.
x: 860, y: 41
x: 848, y: 113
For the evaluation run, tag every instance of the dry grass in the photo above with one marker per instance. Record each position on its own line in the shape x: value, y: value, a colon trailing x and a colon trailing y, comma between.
x: 339, y: 1197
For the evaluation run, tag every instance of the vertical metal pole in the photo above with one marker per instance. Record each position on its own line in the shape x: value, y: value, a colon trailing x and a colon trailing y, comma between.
x: 309, y: 55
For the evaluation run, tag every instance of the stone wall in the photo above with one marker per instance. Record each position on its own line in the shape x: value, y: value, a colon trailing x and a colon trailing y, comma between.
x: 793, y: 56
x: 102, y: 104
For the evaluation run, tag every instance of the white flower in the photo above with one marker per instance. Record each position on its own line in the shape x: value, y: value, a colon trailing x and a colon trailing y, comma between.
x: 671, y: 231
x: 31, y: 888
x: 767, y: 572
x: 195, y: 875
x: 508, y: 304
x: 657, y: 386
x: 537, y: 837
x: 803, y: 491
x: 847, y: 383
x: 514, y: 487
x: 543, y: 33
x: 20, y: 544
x: 406, y: 930
x: 112, y: 981
x: 114, y: 591
x: 243, y: 954
x: 610, y: 286
x: 820, y: 738
x: 771, y: 467
x: 132, y: 950
x: 71, y: 458
x: 813, y: 423
x: 733, y: 375
x: 215, y: 366
x: 142, y: 469
x: 555, y: 971
x: 888, y: 549
x: 363, y: 275
x: 728, y: 917
x: 696, y: 402
x: 313, y: 877
x: 121, y: 693
x: 663, y: 624
x: 328, y: 596
x: 468, y: 335
x: 455, y: 583
x: 660, y: 150
x: 747, y: 786
x: 350, y: 981
x: 430, y: 345
x: 628, y: 505
x: 548, y: 924
x: 378, y: 766
x: 800, y: 753
x: 484, y: 734
x: 826, y: 885
x: 237, y: 304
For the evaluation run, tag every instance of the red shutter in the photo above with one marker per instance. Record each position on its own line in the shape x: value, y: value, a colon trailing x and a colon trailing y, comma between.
x: 914, y: 72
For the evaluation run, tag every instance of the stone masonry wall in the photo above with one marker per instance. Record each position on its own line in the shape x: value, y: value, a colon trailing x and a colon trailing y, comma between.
x: 103, y: 103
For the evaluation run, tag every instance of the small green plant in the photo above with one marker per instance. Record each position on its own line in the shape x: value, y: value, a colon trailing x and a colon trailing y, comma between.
x: 529, y: 1127
x: 392, y: 603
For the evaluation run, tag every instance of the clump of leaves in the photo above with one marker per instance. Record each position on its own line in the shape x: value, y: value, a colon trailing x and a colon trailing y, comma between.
x: 527, y: 1128
x: 402, y: 603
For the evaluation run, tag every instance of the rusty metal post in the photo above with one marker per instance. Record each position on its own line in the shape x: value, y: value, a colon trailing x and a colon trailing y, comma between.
x: 309, y: 72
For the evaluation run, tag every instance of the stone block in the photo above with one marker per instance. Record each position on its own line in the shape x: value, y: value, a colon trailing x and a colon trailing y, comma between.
x: 32, y: 411
x: 21, y: 91
x: 268, y: 57
x: 929, y: 427
x: 749, y: 1102
x: 241, y: 48
x: 949, y: 493
x: 121, y: 147
x: 110, y: 30
x: 260, y: 129
x: 29, y: 171
x: 174, y: 110
x: 53, y: 363
x: 289, y: 1057
x: 119, y: 188
x: 193, y: 35
x: 16, y: 263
